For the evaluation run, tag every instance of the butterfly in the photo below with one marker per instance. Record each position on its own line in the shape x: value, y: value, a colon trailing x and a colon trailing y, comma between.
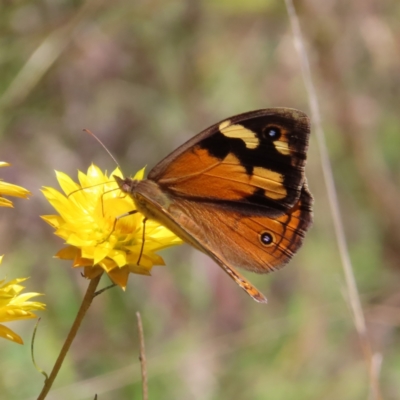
x: 236, y: 191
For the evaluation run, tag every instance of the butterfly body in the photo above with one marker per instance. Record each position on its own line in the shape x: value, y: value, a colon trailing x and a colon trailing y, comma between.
x: 236, y: 191
x: 153, y: 203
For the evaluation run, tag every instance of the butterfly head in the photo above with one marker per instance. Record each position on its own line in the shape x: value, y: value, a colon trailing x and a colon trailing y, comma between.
x: 147, y: 196
x: 126, y: 185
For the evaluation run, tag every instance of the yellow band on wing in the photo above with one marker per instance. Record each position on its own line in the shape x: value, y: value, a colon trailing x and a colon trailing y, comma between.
x: 239, y: 132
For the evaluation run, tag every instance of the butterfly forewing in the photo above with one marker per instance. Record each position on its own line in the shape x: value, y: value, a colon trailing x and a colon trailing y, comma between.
x: 255, y: 159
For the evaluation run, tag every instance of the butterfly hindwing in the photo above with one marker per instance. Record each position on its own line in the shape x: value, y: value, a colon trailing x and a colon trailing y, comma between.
x: 256, y: 243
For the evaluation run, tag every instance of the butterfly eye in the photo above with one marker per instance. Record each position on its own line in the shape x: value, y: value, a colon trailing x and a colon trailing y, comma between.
x: 266, y: 238
x: 272, y: 132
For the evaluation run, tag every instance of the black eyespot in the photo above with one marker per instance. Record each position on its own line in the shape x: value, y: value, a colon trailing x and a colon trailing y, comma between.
x: 266, y: 238
x: 272, y: 132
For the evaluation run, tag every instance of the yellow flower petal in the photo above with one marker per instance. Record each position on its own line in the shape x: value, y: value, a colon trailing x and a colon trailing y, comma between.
x: 16, y: 306
x: 7, y: 333
x: 5, y: 202
x: 119, y: 276
x: 139, y: 175
x: 8, y: 189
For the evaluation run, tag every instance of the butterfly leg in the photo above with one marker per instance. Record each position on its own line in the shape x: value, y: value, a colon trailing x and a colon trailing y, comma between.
x: 115, y: 223
x: 143, y: 237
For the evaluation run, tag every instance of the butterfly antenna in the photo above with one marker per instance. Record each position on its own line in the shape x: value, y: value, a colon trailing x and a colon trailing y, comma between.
x: 102, y: 145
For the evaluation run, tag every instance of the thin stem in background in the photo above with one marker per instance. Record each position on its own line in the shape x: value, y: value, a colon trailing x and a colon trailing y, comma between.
x: 32, y: 351
x: 352, y: 291
x: 86, y: 302
x: 142, y: 357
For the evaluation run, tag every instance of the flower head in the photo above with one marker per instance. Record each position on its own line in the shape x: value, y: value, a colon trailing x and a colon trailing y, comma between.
x: 15, y: 306
x: 101, y: 235
x: 9, y: 189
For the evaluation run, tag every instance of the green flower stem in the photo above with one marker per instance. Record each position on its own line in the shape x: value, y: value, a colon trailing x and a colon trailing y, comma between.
x: 86, y: 302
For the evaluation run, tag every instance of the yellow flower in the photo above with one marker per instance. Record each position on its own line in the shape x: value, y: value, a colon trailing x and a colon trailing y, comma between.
x: 15, y: 306
x: 10, y: 190
x: 97, y: 238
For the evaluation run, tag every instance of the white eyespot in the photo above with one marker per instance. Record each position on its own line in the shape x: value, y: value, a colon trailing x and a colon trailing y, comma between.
x: 267, y: 238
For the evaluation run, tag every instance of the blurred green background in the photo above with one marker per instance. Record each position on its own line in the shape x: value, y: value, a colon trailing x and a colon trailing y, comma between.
x: 145, y: 76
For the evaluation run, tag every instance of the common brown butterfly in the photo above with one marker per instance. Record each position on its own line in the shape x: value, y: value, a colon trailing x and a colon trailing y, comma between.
x: 236, y: 191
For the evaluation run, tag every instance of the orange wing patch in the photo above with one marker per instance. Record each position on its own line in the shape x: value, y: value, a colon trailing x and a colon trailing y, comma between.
x: 197, y: 174
x: 190, y: 164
